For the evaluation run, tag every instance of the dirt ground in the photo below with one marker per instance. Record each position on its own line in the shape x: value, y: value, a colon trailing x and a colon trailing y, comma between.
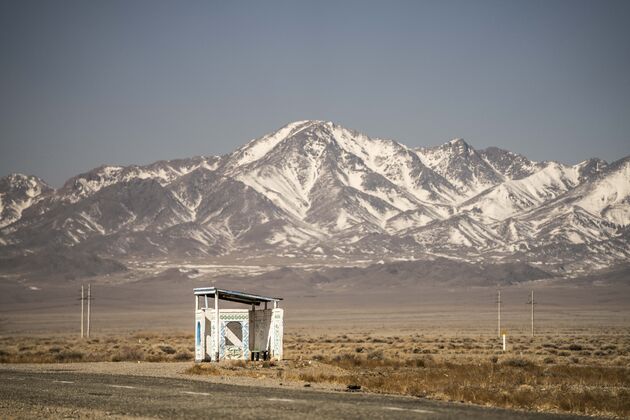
x: 430, y: 342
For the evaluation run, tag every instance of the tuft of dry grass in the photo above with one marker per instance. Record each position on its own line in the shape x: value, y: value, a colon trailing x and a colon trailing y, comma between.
x: 149, y: 347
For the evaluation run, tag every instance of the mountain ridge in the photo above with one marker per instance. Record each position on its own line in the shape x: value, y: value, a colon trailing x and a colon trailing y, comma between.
x: 316, y: 188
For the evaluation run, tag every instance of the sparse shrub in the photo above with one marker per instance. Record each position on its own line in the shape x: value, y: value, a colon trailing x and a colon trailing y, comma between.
x: 168, y: 349
x: 549, y: 360
x: 54, y: 350
x: 128, y: 354
x: 235, y: 364
x: 69, y: 356
x: 375, y: 355
x: 494, y: 359
x: 359, y: 349
x: 155, y: 358
x: 575, y: 347
x: 204, y: 369
x: 419, y: 362
x: 183, y: 356
x: 347, y: 360
x: 518, y: 362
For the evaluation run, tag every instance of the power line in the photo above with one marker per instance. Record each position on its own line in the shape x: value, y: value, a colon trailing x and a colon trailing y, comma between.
x: 499, y: 313
x: 89, y: 299
x: 82, y: 299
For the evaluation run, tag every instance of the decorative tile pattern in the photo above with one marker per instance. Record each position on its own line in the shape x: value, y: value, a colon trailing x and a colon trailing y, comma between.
x: 222, y: 340
x: 211, y: 339
x: 245, y: 326
x: 231, y: 352
x: 277, y: 332
x: 235, y: 352
x: 234, y: 316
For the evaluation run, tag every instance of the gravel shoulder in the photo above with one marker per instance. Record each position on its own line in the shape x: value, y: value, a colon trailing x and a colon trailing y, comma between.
x: 161, y: 370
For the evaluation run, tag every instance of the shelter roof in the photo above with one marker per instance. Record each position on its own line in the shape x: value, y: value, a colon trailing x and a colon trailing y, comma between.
x: 234, y: 296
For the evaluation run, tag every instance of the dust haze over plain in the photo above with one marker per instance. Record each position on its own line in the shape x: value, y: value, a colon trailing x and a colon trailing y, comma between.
x: 119, y: 83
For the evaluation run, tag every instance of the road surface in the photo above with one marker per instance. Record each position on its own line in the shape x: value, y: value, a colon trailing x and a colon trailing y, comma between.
x: 26, y: 393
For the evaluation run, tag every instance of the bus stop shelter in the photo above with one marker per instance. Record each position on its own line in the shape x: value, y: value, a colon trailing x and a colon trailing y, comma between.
x: 237, y: 334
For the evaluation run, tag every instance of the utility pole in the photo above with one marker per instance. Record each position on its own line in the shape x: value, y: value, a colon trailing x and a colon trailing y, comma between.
x: 499, y: 313
x: 89, y: 298
x: 532, y: 303
x: 82, y: 299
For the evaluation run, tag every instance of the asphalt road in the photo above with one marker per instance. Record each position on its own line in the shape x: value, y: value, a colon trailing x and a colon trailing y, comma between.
x: 143, y: 396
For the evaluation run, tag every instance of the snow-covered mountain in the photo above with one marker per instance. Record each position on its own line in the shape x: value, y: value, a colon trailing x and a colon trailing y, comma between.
x: 316, y: 188
x: 17, y: 193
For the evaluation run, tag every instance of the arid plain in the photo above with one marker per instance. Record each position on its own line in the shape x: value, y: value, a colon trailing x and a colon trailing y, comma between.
x: 413, y: 338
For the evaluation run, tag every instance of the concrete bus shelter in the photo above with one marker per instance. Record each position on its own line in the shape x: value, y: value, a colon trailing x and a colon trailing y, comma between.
x: 237, y: 334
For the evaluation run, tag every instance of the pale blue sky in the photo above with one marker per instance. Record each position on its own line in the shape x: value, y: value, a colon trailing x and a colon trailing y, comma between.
x: 84, y: 82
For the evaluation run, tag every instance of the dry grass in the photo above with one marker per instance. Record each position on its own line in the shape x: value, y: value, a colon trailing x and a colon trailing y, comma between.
x: 581, y: 373
x: 149, y: 347
x: 586, y: 374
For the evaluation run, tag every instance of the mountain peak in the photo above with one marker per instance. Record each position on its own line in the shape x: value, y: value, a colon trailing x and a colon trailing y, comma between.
x: 459, y: 146
x: 17, y: 178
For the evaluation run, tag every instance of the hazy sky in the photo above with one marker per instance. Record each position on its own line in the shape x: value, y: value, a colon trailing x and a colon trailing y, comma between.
x: 84, y: 82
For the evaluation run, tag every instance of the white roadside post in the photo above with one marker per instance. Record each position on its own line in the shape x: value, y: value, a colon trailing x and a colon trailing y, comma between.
x: 504, y: 342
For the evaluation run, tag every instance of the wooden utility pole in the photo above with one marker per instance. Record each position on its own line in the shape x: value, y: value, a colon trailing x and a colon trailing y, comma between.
x: 217, y: 352
x: 89, y: 299
x: 82, y: 299
x: 499, y: 313
x: 532, y: 303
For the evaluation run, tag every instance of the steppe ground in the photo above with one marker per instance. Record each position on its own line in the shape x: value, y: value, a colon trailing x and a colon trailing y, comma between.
x: 431, y: 342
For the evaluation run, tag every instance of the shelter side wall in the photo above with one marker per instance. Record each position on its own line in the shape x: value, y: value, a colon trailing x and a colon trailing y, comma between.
x: 201, y: 331
x: 259, y: 326
x: 277, y: 334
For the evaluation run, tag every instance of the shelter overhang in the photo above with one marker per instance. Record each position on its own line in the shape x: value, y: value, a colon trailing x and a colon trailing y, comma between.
x: 234, y: 296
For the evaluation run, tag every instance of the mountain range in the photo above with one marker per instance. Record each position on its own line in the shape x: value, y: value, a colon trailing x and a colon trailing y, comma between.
x: 316, y: 189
